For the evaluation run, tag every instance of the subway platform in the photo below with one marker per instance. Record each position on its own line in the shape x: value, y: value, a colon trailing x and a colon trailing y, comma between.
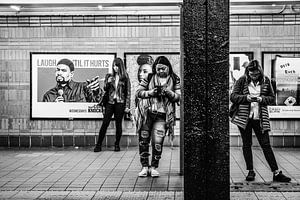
x: 79, y: 173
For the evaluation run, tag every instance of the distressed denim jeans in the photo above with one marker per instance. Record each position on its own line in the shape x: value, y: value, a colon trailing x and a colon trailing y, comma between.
x: 155, y: 131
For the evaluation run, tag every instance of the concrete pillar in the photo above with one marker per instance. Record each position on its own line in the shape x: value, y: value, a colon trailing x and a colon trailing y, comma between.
x: 205, y: 91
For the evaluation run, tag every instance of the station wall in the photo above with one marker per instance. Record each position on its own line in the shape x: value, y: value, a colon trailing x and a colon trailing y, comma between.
x: 20, y: 35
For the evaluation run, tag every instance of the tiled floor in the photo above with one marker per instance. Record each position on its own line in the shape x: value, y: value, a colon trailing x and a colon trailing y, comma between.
x: 288, y: 161
x: 84, y: 170
x: 83, y: 174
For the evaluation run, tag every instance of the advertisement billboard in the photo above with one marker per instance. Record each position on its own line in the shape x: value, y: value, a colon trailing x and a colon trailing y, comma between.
x: 49, y: 84
x: 286, y: 76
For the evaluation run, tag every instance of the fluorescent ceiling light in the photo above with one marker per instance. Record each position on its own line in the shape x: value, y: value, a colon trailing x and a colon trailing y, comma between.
x: 17, y: 8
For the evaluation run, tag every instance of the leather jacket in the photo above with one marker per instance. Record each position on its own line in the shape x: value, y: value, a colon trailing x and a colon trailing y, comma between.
x: 123, y: 90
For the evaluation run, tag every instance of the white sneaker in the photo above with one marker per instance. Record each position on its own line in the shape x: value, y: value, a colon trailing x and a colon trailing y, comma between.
x: 154, y: 172
x: 144, y: 172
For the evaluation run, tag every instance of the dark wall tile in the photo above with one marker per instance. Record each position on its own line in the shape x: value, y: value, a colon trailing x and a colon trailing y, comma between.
x: 57, y: 141
x: 133, y: 140
x: 176, y: 141
x: 277, y: 141
x: 68, y: 140
x: 79, y: 140
x: 109, y: 140
x: 123, y: 141
x: 297, y: 141
x: 46, y: 141
x: 4, y: 141
x: 289, y: 141
x: 36, y: 141
x: 90, y: 140
x: 24, y: 141
x: 14, y: 141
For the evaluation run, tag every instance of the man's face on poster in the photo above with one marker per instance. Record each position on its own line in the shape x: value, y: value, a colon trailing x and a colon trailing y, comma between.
x: 63, y: 74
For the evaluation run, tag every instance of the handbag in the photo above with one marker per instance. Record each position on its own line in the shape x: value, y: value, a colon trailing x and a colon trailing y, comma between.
x: 233, y: 109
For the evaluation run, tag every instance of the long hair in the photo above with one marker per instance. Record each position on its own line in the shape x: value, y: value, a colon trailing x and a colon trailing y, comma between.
x: 164, y: 60
x: 122, y: 71
x: 254, y: 65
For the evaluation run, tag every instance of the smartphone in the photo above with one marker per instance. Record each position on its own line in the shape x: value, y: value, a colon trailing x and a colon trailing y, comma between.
x: 159, y: 89
x: 254, y: 98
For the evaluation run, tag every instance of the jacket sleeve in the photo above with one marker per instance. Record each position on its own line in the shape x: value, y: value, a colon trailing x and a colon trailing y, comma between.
x: 50, y: 96
x: 237, y: 95
x: 106, y: 84
x: 128, y: 95
x: 46, y: 98
x: 90, y: 96
x: 269, y: 98
x: 142, y: 90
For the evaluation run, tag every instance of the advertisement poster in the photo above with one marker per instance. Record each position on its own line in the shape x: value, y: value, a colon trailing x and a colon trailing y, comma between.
x: 237, y: 66
x: 132, y: 67
x: 287, y: 77
x: 45, y: 81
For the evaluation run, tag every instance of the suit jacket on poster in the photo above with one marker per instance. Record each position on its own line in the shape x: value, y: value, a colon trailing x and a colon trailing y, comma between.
x: 73, y: 92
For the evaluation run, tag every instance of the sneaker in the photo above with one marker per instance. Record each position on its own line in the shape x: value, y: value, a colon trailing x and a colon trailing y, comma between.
x: 250, y: 176
x: 154, y: 172
x: 144, y: 172
x: 97, y: 148
x: 280, y: 177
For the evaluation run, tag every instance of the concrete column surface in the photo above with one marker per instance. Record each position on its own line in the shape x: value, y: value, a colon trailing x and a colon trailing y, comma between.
x: 205, y: 92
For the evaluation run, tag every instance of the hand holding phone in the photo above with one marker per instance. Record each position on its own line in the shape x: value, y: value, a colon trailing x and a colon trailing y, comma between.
x: 253, y: 98
x: 159, y: 90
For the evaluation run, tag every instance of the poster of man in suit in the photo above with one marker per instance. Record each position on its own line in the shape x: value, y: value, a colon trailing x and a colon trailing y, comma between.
x: 68, y: 85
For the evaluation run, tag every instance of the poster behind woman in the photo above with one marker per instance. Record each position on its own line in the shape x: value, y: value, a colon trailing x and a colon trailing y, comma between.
x: 287, y: 77
x: 60, y: 84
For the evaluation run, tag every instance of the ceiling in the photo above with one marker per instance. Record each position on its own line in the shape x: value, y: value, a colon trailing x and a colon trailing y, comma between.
x: 136, y: 7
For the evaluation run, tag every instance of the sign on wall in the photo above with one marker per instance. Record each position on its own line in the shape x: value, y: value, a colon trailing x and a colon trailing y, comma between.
x: 237, y: 64
x: 79, y: 101
x: 132, y: 66
x: 286, y: 76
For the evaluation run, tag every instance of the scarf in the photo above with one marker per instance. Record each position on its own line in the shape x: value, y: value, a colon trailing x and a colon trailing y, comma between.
x: 143, y: 106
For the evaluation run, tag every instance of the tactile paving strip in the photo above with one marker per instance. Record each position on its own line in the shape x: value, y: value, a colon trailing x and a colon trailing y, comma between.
x: 265, y: 187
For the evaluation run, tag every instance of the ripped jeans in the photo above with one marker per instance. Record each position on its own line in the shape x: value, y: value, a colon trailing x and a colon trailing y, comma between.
x: 154, y: 130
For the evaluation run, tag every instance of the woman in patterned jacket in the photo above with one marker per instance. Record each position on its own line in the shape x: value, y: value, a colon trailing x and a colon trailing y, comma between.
x: 252, y: 93
x: 162, y: 89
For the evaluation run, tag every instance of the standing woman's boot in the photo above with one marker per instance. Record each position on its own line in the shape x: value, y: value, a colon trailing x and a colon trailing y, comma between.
x: 117, y: 147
